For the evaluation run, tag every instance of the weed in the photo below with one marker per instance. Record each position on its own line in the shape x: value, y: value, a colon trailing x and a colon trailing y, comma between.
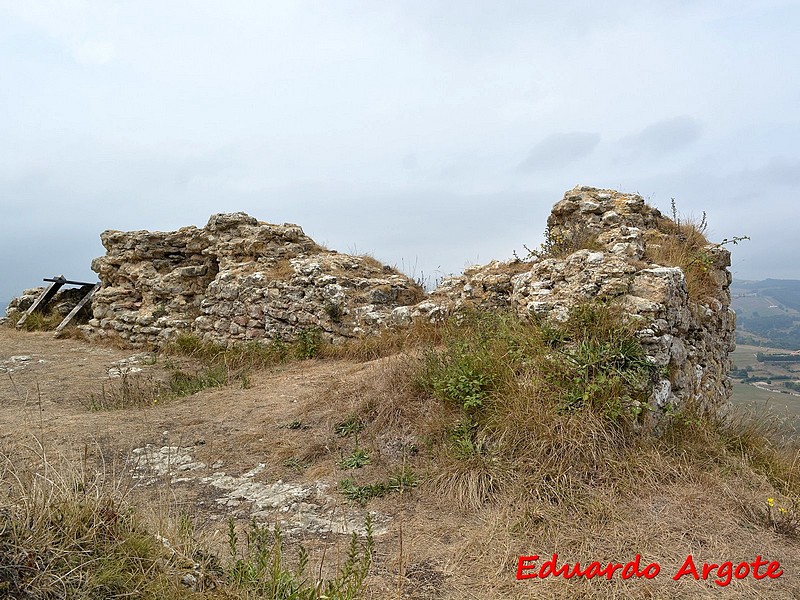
x: 402, y: 479
x: 399, y: 481
x: 463, y: 440
x: 185, y: 384
x: 602, y: 365
x: 561, y: 242
x: 261, y: 568
x: 127, y: 391
x: 682, y: 243
x: 782, y: 519
x: 308, y: 343
x: 360, y: 493
x: 357, y: 459
x: 350, y: 426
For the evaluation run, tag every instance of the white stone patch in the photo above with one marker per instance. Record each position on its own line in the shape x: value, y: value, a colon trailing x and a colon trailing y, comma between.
x: 115, y: 372
x: 161, y: 462
x: 130, y: 365
x: 302, y: 508
x: 662, y: 392
x: 15, y: 363
x: 594, y: 257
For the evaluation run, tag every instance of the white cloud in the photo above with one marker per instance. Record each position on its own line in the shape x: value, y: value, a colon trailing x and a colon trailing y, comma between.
x: 91, y: 52
x: 321, y: 113
x: 560, y: 149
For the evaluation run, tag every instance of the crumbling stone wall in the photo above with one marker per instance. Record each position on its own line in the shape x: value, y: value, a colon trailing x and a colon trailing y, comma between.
x: 689, y: 337
x: 239, y: 279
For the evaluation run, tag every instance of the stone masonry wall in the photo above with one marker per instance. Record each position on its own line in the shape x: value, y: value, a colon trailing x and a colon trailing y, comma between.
x: 691, y: 338
x: 239, y: 279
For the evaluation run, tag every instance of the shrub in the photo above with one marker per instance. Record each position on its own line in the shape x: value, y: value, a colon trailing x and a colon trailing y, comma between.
x: 308, y: 343
x: 524, y: 392
x: 563, y: 242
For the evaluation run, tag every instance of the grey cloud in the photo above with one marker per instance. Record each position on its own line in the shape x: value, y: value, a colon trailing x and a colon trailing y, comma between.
x: 778, y: 171
x: 560, y: 149
x: 663, y: 137
x: 738, y: 203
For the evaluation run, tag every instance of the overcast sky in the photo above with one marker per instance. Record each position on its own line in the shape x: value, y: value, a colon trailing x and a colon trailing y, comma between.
x: 432, y: 134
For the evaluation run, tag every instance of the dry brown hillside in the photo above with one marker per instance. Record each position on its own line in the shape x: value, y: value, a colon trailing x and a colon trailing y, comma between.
x: 272, y: 444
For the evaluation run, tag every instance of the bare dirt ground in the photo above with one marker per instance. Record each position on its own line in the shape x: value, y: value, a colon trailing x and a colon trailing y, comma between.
x: 267, y: 451
x: 270, y: 452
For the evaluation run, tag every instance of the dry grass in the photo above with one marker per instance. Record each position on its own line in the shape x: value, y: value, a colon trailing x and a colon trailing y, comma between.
x: 281, y: 270
x: 37, y: 321
x: 683, y: 244
x: 387, y: 343
x: 491, y: 411
x: 70, y: 530
x: 527, y: 438
x: 371, y: 262
x: 67, y: 532
x: 521, y: 475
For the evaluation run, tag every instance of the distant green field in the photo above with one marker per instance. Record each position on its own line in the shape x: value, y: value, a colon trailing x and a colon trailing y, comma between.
x: 758, y: 305
x: 750, y: 396
x: 745, y: 355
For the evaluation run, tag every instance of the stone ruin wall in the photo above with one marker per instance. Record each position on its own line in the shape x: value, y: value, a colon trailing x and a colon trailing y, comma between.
x: 238, y: 279
x: 690, y: 339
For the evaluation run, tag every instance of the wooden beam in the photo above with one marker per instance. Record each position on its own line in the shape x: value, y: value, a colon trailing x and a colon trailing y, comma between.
x: 76, y: 310
x: 41, y: 302
x: 67, y: 281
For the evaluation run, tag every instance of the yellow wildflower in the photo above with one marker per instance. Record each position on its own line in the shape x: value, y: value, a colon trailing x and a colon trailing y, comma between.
x: 770, y: 502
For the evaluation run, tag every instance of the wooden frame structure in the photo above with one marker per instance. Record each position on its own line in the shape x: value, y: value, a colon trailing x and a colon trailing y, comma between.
x: 56, y: 283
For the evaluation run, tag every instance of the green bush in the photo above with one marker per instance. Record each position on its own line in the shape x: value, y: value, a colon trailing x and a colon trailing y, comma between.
x: 309, y: 343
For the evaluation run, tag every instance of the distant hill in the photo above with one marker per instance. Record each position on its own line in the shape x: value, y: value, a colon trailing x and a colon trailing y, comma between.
x: 767, y: 312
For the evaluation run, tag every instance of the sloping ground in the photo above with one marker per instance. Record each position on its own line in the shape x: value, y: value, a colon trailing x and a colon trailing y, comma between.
x: 271, y: 451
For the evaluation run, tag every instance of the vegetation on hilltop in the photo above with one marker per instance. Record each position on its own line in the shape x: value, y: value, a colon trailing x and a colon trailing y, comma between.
x: 549, y: 418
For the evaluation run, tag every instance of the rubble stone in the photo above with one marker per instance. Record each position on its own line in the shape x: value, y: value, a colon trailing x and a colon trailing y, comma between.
x: 239, y: 279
